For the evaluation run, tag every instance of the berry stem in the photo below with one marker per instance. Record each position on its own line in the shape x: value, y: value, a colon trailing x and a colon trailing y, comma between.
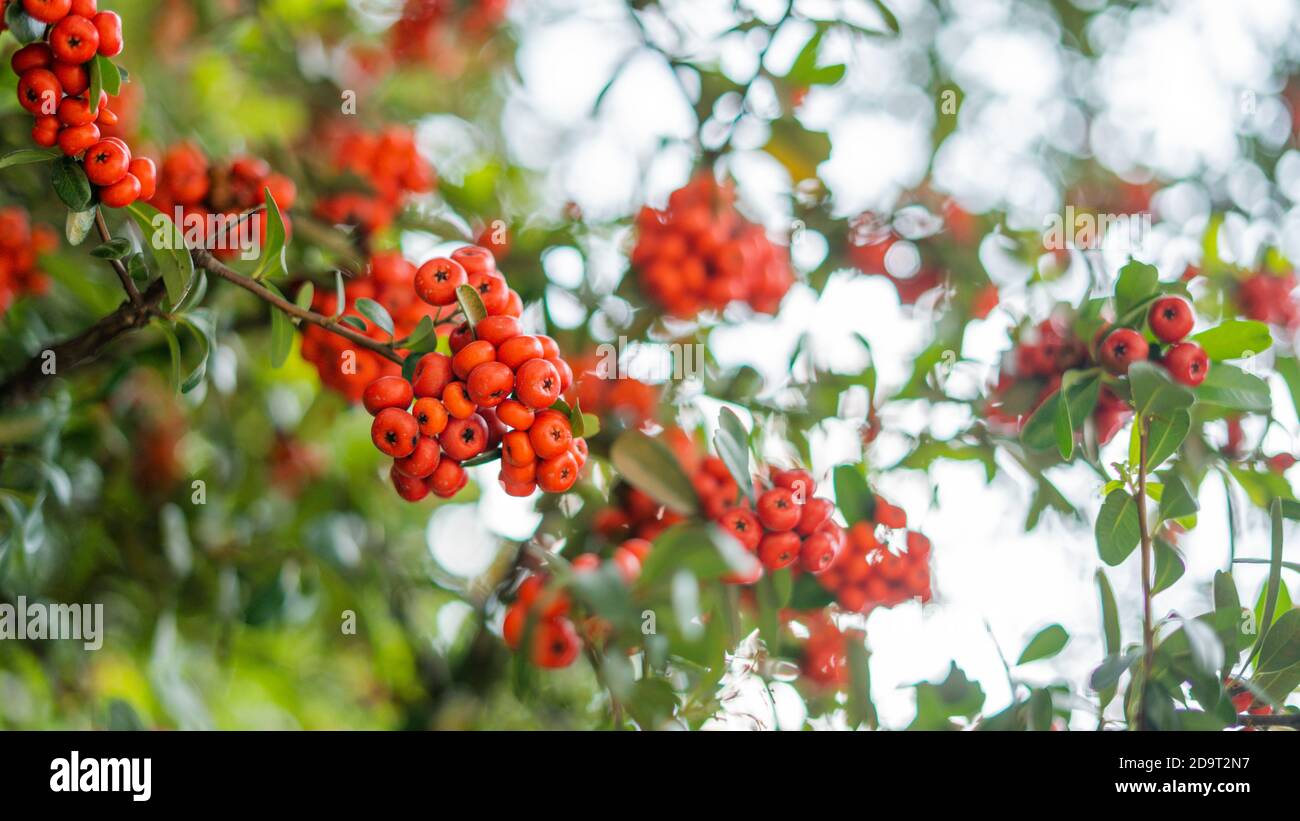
x: 213, y: 266
x: 123, y: 275
x: 1148, y: 630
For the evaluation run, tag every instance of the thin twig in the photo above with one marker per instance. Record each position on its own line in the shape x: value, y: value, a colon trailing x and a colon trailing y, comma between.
x: 123, y: 274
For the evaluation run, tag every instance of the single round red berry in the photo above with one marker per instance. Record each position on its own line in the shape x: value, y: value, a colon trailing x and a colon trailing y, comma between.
x: 464, y: 438
x: 778, y: 550
x: 109, y: 26
x: 448, y: 478
x: 744, y: 525
x: 395, y: 432
x: 1121, y: 348
x: 432, y: 375
x: 537, y: 384
x: 1187, y: 363
x: 121, y: 193
x: 557, y: 474
x: 817, y: 553
x: 1171, y: 318
x: 107, y: 162
x: 48, y: 11
x: 39, y: 91
x: 422, y: 461
x: 437, y: 280
x: 387, y: 392
x: 36, y: 55
x: 74, y: 39
x: 778, y: 511
x: 550, y: 434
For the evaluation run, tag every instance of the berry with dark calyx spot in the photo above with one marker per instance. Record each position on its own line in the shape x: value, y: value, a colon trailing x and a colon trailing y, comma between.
x: 1171, y: 318
x: 1187, y: 363
x: 395, y: 432
x: 1121, y: 348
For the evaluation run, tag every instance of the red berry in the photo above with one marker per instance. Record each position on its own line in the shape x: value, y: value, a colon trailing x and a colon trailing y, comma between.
x: 395, y: 432
x: 557, y: 474
x: 448, y: 478
x: 1121, y: 348
x: 109, y: 26
x: 817, y: 553
x: 121, y: 193
x: 48, y: 11
x: 107, y: 162
x: 815, y: 512
x: 744, y: 526
x: 431, y: 416
x: 516, y: 414
x: 74, y: 39
x: 497, y: 329
x: 76, y: 139
x: 550, y: 434
x: 74, y: 79
x: 777, y: 510
x: 436, y: 281
x: 537, y: 384
x: 1187, y: 363
x: 490, y: 384
x: 86, y: 8
x: 409, y: 488
x: 800, y: 483
x: 629, y: 566
x: 39, y: 91
x: 422, y: 461
x: 492, y: 290
x: 555, y: 643
x: 475, y: 260
x: 778, y: 550
x: 144, y: 170
x: 518, y: 349
x: 1171, y: 318
x: 464, y: 438
x: 386, y: 392
x: 432, y: 375
x: 471, y: 356
x: 36, y: 55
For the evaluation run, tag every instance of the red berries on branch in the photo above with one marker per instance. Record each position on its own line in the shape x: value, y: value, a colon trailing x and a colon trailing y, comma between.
x: 868, y: 574
x: 54, y: 85
x: 1266, y: 297
x: 211, y: 197
x: 433, y: 31
x: 700, y: 253
x: 21, y: 243
x: 389, y: 168
x: 498, y: 389
x: 345, y: 367
x: 1170, y: 319
x: 788, y: 525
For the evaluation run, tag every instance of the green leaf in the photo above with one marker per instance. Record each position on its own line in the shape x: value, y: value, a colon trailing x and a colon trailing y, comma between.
x: 1137, y: 282
x: 1169, y: 566
x: 809, y: 594
x: 25, y: 28
x: 1042, y: 430
x: 852, y: 495
x: 1177, y: 500
x: 860, y: 707
x: 1277, y: 671
x: 173, y: 348
x: 272, y: 260
x: 471, y: 305
x: 1109, y: 613
x: 732, y: 444
x: 1047, y: 643
x: 281, y: 331
x: 1288, y: 367
x: 110, y: 76
x: 355, y: 322
x: 166, y: 245
x: 1117, y: 528
x: 650, y: 466
x: 96, y: 83
x: 937, y: 704
x: 424, y: 332
x: 340, y: 294
x: 1234, y: 338
x: 1165, y: 435
x: 71, y: 185
x: 1229, y: 387
x: 1205, y: 646
x: 197, y: 324
x: 1107, y: 674
x: 703, y: 550
x: 114, y: 249
x: 308, y: 292
x: 1155, y: 393
x: 1274, y: 575
x: 376, y: 313
x: 78, y: 225
x: 28, y: 156
x: 890, y: 20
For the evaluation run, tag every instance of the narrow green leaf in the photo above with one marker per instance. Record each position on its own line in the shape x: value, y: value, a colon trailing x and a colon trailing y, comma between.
x: 1155, y: 393
x: 78, y: 225
x: 376, y: 313
x: 861, y: 709
x: 1048, y: 642
x: 281, y: 331
x: 471, y: 305
x: 650, y: 466
x: 852, y: 495
x: 1177, y: 499
x: 1137, y: 281
x: 1229, y: 387
x: 1165, y: 434
x: 71, y: 185
x: 1274, y: 575
x: 732, y: 444
x: 166, y: 245
x: 305, y: 296
x: 1234, y: 338
x: 273, y: 252
x: 28, y: 156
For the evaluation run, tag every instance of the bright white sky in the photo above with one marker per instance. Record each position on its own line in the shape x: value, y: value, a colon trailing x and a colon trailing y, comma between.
x: 1175, y: 87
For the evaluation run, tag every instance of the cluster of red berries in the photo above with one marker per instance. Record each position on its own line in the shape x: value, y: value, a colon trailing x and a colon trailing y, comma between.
x: 1267, y: 298
x: 497, y: 388
x: 429, y: 30
x: 608, y: 394
x: 787, y: 525
x: 345, y: 367
x: 190, y: 182
x: 390, y: 167
x: 870, y: 241
x: 700, y: 253
x: 1243, y: 700
x: 21, y: 244
x: 1042, y: 354
x: 555, y: 640
x: 1171, y: 320
x: 823, y: 659
x: 868, y: 574
x: 54, y: 85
